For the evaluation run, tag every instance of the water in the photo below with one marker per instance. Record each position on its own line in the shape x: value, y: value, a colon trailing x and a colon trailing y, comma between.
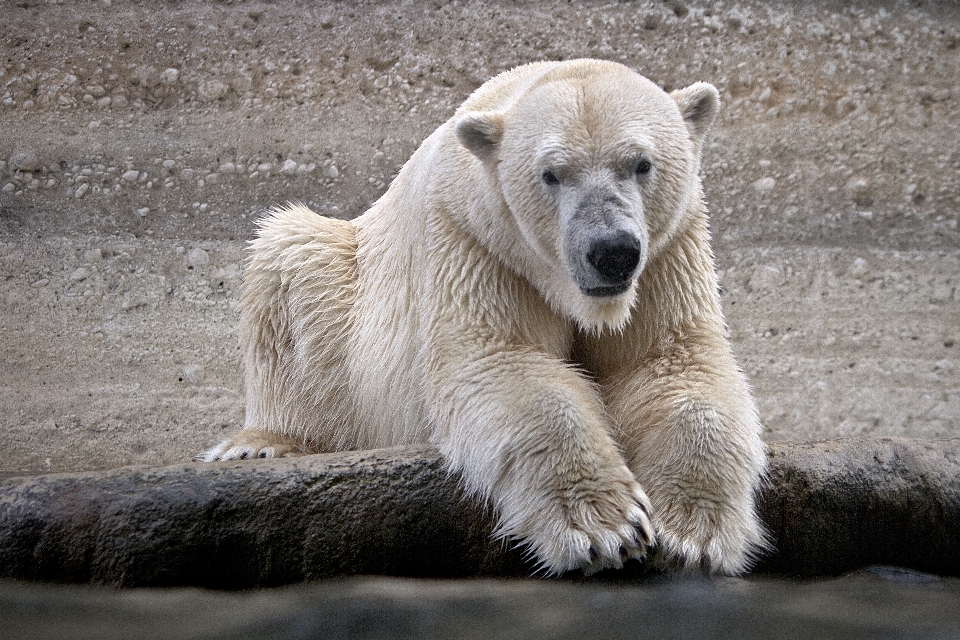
x: 879, y: 602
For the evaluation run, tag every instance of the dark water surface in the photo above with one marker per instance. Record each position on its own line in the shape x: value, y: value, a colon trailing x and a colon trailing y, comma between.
x: 879, y: 602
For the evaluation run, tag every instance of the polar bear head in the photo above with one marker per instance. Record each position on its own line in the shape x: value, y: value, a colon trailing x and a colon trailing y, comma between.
x: 595, y: 168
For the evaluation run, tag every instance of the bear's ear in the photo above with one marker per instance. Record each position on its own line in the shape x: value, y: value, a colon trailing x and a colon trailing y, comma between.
x: 699, y: 104
x: 480, y: 132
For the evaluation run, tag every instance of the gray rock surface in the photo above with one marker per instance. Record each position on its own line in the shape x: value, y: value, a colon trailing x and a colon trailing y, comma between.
x: 830, y: 507
x: 839, y: 505
x: 252, y: 523
x: 138, y: 143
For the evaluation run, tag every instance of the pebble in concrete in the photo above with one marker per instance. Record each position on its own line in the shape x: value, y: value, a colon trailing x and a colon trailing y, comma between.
x: 197, y: 258
x: 764, y: 186
x: 170, y: 76
x: 26, y: 160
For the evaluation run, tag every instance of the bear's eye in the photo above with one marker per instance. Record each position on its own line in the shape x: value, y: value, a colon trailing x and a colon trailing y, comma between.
x: 643, y: 167
x: 549, y: 178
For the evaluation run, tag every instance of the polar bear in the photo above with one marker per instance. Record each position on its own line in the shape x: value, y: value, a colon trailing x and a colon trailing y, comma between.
x: 535, y: 294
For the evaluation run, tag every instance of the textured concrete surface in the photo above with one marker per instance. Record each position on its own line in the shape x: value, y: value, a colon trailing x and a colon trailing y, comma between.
x: 830, y: 507
x: 139, y: 141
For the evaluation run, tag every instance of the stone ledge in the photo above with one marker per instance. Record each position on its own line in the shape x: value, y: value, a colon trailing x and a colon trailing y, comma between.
x: 838, y: 505
x: 830, y: 507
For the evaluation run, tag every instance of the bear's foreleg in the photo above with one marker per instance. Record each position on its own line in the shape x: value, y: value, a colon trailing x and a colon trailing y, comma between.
x: 693, y: 440
x: 529, y: 434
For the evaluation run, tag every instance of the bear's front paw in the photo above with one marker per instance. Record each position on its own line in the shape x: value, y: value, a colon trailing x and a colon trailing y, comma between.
x: 251, y: 443
x: 709, y: 535
x: 595, y: 527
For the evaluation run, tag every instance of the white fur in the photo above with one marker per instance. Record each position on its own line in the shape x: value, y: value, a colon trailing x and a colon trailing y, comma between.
x: 454, y: 311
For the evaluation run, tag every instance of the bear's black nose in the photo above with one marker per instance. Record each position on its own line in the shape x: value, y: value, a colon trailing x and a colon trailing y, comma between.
x: 615, y: 257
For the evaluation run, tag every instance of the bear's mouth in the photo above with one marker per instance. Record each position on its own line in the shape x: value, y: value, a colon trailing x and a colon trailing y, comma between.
x: 606, y: 291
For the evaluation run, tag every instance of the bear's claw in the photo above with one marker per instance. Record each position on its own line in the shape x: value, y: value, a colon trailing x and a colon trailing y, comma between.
x: 608, y: 544
x: 250, y: 443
